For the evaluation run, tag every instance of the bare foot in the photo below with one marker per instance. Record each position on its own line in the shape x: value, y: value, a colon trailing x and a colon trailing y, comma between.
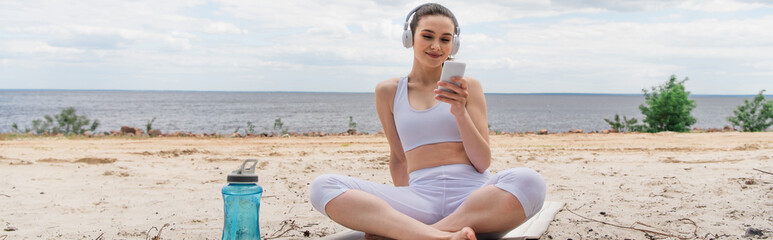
x: 369, y: 236
x: 465, y: 234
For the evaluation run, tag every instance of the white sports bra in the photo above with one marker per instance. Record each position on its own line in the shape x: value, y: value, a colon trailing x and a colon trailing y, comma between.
x: 417, y: 128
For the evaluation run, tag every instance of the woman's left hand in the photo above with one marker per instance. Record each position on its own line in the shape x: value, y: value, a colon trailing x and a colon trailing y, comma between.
x: 457, y: 98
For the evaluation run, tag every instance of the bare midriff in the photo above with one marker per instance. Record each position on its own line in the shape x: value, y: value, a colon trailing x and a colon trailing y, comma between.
x: 437, y: 154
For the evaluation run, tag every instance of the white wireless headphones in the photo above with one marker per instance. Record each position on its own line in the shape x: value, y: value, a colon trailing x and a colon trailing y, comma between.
x: 408, y: 35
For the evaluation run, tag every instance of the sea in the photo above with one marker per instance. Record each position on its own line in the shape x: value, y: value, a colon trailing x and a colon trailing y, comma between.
x: 228, y: 112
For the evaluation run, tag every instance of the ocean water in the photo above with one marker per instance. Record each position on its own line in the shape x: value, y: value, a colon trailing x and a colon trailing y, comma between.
x: 225, y: 112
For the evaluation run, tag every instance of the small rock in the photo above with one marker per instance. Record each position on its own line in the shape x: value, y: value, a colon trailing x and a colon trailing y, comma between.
x: 10, y: 229
x: 154, y: 133
x: 127, y: 130
x: 753, y: 232
x: 603, y: 213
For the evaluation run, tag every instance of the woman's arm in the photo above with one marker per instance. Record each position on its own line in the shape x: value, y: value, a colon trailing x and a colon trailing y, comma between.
x: 398, y: 166
x: 468, y: 105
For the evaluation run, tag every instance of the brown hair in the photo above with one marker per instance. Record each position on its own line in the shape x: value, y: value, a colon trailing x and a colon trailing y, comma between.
x: 431, y: 9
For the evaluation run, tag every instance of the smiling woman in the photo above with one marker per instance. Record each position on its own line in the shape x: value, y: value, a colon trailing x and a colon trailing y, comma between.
x: 439, y: 153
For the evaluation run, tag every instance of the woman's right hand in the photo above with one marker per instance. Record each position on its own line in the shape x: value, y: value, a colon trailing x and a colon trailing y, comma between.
x: 457, y: 98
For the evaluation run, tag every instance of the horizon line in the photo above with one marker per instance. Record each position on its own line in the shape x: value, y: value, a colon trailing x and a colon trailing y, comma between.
x: 334, y: 92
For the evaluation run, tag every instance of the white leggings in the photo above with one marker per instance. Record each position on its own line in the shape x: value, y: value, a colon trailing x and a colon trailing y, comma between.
x: 434, y: 193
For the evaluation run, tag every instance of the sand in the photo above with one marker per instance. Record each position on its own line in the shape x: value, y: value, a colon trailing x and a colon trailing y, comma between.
x: 693, y: 185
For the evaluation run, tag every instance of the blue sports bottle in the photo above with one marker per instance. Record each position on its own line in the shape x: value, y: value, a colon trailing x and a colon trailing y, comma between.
x: 242, y: 203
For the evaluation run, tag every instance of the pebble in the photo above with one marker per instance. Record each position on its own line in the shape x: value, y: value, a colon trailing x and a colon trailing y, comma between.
x: 753, y: 232
x: 10, y: 229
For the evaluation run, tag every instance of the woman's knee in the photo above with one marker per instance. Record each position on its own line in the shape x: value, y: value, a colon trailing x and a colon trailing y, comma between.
x: 324, y: 188
x: 527, y: 185
x: 527, y: 177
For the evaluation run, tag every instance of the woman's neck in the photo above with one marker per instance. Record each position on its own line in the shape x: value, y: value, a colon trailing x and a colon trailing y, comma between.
x: 425, y: 74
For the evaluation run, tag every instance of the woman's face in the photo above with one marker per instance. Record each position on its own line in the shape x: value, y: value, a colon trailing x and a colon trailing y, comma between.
x: 433, y: 39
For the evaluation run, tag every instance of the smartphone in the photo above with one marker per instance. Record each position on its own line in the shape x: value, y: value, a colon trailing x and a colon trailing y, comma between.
x: 451, y: 69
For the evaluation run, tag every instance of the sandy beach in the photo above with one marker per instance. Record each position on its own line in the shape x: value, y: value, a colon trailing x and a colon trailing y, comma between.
x: 690, y: 185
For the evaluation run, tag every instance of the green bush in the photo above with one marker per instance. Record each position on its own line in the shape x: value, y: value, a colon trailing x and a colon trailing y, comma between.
x: 352, y: 125
x: 149, y: 125
x: 67, y: 122
x: 278, y: 124
x: 754, y: 116
x: 250, y: 129
x: 667, y: 107
x: 626, y: 124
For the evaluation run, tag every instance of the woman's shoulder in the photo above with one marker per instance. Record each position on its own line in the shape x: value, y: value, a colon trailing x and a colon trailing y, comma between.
x: 472, y: 80
x: 387, y: 87
x: 473, y: 84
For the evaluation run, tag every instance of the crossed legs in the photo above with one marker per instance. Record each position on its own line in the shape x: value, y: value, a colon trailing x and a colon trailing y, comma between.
x: 487, y: 210
x: 502, y: 204
x: 362, y: 211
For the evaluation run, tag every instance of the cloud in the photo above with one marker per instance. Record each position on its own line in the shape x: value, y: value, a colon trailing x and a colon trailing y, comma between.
x: 330, y: 29
x: 513, y: 45
x: 616, y: 5
x: 98, y: 37
x: 224, y: 28
x: 27, y: 47
x: 383, y: 28
x: 723, y: 5
x: 648, y: 5
x: 602, y: 55
x: 91, y: 42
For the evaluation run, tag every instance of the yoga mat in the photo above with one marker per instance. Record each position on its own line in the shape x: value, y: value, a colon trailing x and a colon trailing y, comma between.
x: 531, y: 229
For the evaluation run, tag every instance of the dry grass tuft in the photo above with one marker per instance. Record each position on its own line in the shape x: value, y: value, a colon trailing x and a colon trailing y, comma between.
x: 158, y: 235
x: 89, y: 160
x: 52, y: 160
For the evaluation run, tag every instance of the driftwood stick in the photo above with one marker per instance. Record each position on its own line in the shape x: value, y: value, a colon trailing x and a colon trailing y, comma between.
x: 644, y: 230
x: 277, y: 234
x: 763, y: 171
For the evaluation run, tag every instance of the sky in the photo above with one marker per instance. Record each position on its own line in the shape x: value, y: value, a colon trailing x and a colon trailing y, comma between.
x: 510, y: 46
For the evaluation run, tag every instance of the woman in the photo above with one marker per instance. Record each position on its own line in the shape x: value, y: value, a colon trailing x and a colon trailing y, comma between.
x: 439, y: 154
